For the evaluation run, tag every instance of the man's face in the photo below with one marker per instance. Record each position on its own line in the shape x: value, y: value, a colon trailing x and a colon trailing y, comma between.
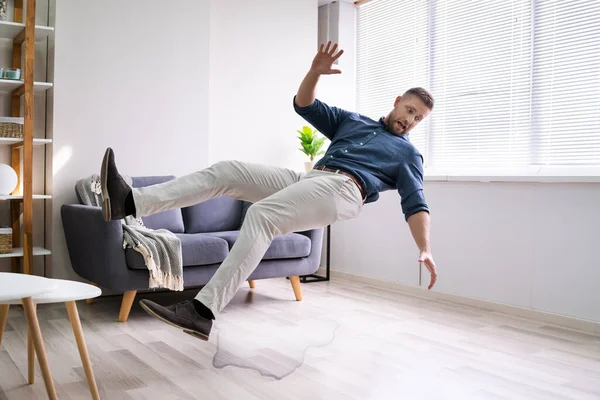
x: 407, y: 113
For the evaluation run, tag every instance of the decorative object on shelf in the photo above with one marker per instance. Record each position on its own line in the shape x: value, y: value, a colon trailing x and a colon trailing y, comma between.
x: 311, y: 144
x: 11, y: 127
x: 5, y: 240
x: 3, y: 11
x: 11, y: 73
x: 8, y: 180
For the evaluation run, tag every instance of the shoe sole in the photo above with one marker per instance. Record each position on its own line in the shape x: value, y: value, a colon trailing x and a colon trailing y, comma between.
x: 106, y: 211
x: 190, y: 332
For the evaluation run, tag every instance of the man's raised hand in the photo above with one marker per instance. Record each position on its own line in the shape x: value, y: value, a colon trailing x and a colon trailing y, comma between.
x: 325, y: 58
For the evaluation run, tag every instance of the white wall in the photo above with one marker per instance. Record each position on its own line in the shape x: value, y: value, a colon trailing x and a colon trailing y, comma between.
x: 259, y: 53
x: 523, y: 244
x: 135, y: 82
x: 175, y: 90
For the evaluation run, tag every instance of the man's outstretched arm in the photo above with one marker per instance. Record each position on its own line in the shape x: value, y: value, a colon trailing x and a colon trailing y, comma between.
x: 321, y: 65
x: 326, y: 119
x: 415, y: 209
x: 419, y: 228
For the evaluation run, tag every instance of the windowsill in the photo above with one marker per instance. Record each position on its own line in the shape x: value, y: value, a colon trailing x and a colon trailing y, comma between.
x: 534, y: 175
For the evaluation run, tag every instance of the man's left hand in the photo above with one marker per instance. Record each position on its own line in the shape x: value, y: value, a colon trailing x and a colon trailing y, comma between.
x: 426, y: 258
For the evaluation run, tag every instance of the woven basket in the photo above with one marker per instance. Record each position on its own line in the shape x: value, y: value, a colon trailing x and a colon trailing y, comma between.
x: 11, y: 128
x: 5, y: 240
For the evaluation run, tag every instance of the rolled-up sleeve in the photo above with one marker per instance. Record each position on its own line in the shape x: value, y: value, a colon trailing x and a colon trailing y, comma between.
x: 326, y: 119
x: 409, y: 182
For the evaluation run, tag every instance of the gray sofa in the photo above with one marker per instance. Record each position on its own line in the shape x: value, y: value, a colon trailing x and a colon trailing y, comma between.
x: 207, y: 231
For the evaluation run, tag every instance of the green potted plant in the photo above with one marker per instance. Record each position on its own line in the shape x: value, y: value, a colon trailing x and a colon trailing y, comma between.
x: 311, y: 143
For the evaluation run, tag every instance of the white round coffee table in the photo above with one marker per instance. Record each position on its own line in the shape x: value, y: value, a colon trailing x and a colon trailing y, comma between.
x: 68, y: 292
x: 20, y: 288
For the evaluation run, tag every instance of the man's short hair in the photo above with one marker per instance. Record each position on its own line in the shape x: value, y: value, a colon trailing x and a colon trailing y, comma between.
x: 422, y: 94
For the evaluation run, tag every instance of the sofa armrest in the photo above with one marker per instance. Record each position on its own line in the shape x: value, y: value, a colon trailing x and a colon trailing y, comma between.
x: 316, y: 247
x: 95, y: 246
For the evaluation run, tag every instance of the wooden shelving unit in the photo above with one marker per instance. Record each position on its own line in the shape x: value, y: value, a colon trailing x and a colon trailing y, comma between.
x: 15, y: 30
x: 23, y: 34
x: 20, y: 197
x: 18, y: 143
x: 15, y: 86
x: 18, y: 252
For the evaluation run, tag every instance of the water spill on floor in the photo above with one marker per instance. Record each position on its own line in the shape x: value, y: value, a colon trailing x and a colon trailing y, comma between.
x: 273, y: 347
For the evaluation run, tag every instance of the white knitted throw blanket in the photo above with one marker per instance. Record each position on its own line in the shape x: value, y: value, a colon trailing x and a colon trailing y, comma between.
x: 160, y: 248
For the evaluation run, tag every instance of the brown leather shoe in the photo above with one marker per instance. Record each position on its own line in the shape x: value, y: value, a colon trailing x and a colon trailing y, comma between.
x: 114, y: 189
x: 181, y: 315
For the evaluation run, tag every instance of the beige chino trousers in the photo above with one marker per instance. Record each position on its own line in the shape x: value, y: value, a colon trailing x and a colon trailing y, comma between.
x: 285, y: 201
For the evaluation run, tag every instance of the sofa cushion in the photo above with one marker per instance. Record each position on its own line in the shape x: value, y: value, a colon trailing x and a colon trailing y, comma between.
x: 292, y: 245
x: 245, y: 206
x: 196, y: 249
x: 214, y: 215
x: 171, y: 220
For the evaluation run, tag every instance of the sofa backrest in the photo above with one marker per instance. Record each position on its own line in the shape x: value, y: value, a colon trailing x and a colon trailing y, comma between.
x: 214, y: 215
x: 171, y: 220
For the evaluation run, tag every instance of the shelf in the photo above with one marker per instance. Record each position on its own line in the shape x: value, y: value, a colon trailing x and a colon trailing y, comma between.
x: 8, y: 85
x: 19, y: 142
x: 10, y: 30
x: 18, y: 252
x: 35, y: 197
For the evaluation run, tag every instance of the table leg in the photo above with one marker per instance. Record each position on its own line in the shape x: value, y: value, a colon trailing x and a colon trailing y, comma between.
x: 85, y: 359
x: 38, y: 342
x: 3, y: 317
x: 31, y: 354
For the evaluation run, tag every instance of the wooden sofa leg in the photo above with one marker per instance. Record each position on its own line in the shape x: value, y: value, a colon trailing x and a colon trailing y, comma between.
x: 126, y: 304
x: 252, y: 284
x: 295, y: 280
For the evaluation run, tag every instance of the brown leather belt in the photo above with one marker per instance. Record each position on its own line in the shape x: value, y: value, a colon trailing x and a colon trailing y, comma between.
x: 354, y: 179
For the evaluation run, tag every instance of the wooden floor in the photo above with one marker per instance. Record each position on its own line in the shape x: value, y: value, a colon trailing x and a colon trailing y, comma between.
x: 387, y: 346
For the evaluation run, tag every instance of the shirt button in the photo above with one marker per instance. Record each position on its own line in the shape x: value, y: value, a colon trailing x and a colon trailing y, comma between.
x: 361, y: 144
x: 330, y: 156
x: 345, y: 151
x: 374, y: 133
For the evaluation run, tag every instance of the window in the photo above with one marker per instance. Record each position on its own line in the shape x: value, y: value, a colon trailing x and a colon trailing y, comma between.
x: 481, y: 57
x: 516, y: 82
x: 566, y: 82
x: 392, y: 55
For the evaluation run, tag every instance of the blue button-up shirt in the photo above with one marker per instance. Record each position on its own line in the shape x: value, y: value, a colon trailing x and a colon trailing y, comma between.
x: 364, y: 148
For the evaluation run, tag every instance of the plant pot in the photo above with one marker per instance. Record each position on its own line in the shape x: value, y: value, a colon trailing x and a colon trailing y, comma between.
x: 308, y: 166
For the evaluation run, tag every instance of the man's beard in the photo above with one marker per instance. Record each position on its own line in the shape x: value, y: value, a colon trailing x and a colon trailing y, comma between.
x: 391, y: 124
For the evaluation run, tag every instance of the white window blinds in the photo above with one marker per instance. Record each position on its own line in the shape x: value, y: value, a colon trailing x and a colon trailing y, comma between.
x: 516, y: 82
x: 566, y: 82
x: 481, y: 57
x: 392, y: 56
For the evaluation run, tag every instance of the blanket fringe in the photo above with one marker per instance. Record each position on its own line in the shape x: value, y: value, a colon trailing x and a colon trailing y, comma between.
x: 159, y: 279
